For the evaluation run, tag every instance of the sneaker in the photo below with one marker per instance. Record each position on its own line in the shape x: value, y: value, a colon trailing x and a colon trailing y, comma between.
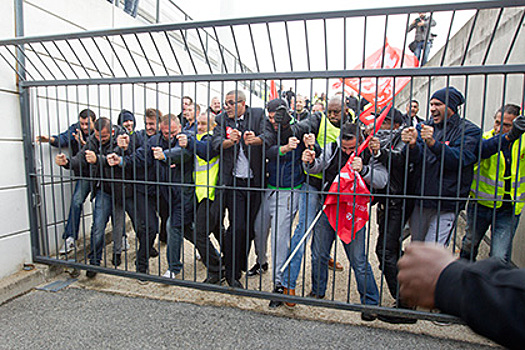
x: 153, y: 253
x: 368, y: 317
x: 169, y: 274
x: 289, y: 292
x: 68, y: 246
x: 315, y: 296
x: 276, y: 303
x: 235, y: 284
x: 125, y: 243
x: 214, y: 278
x: 397, y: 319
x: 332, y: 265
x: 257, y: 270
x: 90, y: 274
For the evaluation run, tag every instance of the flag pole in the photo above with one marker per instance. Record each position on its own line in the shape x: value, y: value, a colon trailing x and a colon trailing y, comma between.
x: 302, y: 241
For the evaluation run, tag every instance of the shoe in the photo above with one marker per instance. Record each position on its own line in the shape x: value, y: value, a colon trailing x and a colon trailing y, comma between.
x: 315, y: 296
x: 117, y: 259
x: 90, y: 274
x: 368, y: 317
x: 257, y: 270
x: 214, y: 278
x: 275, y: 303
x: 68, y: 246
x: 125, y: 243
x: 153, y: 253
x: 397, y: 319
x: 169, y: 274
x: 338, y: 266
x: 289, y: 292
x: 235, y: 284
x: 142, y: 282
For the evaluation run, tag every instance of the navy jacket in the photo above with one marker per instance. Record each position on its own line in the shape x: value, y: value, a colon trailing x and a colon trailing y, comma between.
x: 109, y: 179
x: 456, y: 148
x: 175, y: 175
x: 67, y: 139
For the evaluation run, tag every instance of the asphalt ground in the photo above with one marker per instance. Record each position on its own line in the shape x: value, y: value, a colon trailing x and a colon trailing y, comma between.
x: 75, y: 318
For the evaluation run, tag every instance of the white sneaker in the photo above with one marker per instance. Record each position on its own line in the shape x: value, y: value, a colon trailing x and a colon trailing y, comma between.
x: 68, y: 246
x: 169, y: 274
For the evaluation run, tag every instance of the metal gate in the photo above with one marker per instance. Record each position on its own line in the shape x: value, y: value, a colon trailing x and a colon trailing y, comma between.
x: 312, y: 54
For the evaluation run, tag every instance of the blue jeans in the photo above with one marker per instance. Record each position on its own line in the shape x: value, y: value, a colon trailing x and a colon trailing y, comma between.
x: 104, y: 209
x: 322, y: 241
x: 175, y: 236
x: 309, y: 205
x: 131, y: 7
x: 419, y: 50
x: 479, y: 219
x: 80, y: 193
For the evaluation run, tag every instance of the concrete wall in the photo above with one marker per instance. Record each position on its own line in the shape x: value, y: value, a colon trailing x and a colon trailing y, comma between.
x: 484, y: 95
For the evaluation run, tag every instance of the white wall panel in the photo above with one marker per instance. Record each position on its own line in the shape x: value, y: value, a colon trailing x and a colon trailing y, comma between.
x: 13, y: 212
x: 14, y: 252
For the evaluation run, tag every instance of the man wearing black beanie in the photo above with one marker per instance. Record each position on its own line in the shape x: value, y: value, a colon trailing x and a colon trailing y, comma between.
x: 444, y: 151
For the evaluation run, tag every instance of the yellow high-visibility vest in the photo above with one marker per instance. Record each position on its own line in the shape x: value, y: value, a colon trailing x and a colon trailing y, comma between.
x: 205, y: 175
x: 490, y: 181
x: 331, y: 132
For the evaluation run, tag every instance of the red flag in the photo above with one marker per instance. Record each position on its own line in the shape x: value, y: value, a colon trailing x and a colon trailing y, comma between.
x: 350, y: 191
x: 273, y: 91
x: 380, y: 91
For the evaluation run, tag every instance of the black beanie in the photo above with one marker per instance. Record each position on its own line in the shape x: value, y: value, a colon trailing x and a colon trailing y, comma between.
x: 126, y: 115
x: 455, y: 98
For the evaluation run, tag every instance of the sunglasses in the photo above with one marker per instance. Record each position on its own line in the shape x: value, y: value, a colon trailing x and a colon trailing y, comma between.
x: 231, y: 102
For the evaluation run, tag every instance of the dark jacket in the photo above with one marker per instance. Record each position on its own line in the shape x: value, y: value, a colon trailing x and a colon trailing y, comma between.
x: 101, y: 172
x: 67, y: 139
x: 254, y: 120
x: 400, y: 170
x: 488, y: 295
x: 457, y: 145
x: 174, y: 174
x: 137, y: 170
x: 284, y: 171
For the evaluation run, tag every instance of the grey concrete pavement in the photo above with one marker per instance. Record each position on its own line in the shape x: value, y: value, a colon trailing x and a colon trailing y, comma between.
x: 74, y: 319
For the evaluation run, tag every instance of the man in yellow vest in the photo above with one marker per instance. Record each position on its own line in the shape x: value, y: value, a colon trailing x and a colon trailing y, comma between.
x: 498, y: 189
x: 205, y: 175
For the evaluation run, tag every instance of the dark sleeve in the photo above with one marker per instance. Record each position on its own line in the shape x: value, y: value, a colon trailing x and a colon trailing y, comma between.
x: 490, y: 147
x: 66, y: 138
x: 464, y: 149
x: 219, y: 132
x: 489, y: 296
x: 203, y: 148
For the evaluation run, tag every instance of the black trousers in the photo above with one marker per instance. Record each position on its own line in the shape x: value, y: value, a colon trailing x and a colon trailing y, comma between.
x: 207, y: 221
x: 243, y: 205
x: 389, y: 239
x: 146, y: 226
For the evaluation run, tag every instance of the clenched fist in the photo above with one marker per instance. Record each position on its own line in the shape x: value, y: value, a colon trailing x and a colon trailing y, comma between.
x: 61, y: 159
x: 158, y: 153
x: 91, y: 157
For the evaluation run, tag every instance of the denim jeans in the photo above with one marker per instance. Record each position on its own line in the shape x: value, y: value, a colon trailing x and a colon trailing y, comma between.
x: 309, y: 205
x: 479, y: 219
x: 322, y: 241
x: 80, y: 193
x: 105, y: 207
x: 419, y: 50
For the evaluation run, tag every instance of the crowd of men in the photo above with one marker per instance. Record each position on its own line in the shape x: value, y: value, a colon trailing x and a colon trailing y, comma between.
x: 263, y: 168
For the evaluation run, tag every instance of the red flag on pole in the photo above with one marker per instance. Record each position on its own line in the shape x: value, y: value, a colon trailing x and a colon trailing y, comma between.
x: 273, y: 91
x: 349, y: 190
x: 380, y: 91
